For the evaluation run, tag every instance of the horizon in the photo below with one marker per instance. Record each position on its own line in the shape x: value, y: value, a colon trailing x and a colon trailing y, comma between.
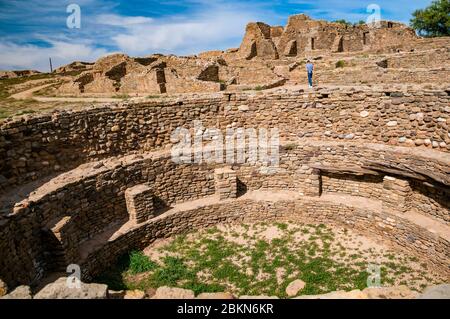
x: 33, y: 32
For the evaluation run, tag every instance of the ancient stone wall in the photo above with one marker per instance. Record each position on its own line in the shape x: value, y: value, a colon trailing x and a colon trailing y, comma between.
x: 362, y: 185
x: 431, y: 201
x: 383, y: 226
x: 303, y: 36
x: 93, y: 197
x: 84, y: 207
x: 33, y: 147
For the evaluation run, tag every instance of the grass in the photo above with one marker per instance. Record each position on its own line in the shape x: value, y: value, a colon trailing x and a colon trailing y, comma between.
x: 258, y: 88
x: 140, y: 263
x: 209, y: 261
x: 340, y: 64
x: 11, y: 107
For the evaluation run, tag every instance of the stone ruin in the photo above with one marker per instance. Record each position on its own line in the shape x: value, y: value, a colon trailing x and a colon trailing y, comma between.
x: 303, y: 36
x: 84, y: 187
x: 155, y: 74
x: 268, y: 57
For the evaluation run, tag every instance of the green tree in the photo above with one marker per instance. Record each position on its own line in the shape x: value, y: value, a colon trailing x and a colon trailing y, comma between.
x: 433, y: 21
x: 344, y: 22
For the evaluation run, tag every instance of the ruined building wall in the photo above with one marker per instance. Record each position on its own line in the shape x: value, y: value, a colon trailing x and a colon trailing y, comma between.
x: 90, y: 200
x: 304, y: 36
x: 40, y: 146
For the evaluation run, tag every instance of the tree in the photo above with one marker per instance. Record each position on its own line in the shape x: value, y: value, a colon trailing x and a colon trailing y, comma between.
x: 348, y: 23
x: 433, y: 21
x: 344, y: 22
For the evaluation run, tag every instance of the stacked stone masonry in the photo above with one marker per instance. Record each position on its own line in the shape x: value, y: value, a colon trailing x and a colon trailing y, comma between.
x: 370, y: 144
x: 139, y: 201
x: 226, y: 183
x: 33, y: 147
x: 396, y: 194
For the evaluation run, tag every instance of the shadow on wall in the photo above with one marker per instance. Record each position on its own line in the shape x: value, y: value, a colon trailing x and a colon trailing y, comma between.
x: 241, y: 188
x: 160, y: 205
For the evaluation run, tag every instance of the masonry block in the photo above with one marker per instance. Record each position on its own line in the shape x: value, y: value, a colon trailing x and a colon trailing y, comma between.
x: 226, y: 183
x: 396, y: 193
x: 139, y: 200
x: 313, y: 185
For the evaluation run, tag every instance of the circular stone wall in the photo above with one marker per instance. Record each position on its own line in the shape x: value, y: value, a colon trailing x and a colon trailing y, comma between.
x: 92, y: 214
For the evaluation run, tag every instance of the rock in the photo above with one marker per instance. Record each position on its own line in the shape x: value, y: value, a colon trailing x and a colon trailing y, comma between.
x: 391, y: 123
x: 435, y: 144
x: 243, y: 108
x: 115, y: 128
x: 443, y: 144
x: 215, y: 295
x: 349, y: 136
x: 427, y: 142
x: 134, y: 294
x: 419, y: 142
x: 354, y: 294
x: 173, y: 293
x: 258, y: 297
x: 3, y: 288
x: 60, y: 290
x: 402, y: 140
x: 295, y: 287
x: 21, y: 292
x: 364, y: 114
x: 436, y: 292
x: 400, y: 292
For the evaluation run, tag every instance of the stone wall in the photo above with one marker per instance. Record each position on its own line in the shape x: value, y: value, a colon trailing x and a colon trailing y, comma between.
x: 304, y: 36
x: 431, y: 200
x: 360, y: 185
x: 93, y: 196
x: 33, y: 147
x: 77, y: 211
x: 389, y: 228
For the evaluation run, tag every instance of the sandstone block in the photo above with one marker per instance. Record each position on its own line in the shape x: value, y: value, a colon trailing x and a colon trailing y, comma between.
x: 139, y: 201
x: 60, y: 290
x: 173, y: 293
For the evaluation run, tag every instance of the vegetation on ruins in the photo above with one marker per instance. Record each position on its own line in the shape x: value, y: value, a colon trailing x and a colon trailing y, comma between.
x: 348, y: 23
x: 262, y: 259
x: 433, y: 21
x: 340, y: 64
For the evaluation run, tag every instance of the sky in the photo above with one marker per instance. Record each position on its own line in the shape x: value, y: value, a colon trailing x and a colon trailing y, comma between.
x: 31, y: 31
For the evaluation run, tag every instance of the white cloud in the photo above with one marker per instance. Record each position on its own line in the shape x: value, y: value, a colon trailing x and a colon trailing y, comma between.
x: 211, y: 29
x: 15, y: 56
x: 117, y: 20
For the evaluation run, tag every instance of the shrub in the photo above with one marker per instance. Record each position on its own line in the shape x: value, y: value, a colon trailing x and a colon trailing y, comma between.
x: 340, y: 64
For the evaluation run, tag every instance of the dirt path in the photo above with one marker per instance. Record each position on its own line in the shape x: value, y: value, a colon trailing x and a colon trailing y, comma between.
x: 28, y: 94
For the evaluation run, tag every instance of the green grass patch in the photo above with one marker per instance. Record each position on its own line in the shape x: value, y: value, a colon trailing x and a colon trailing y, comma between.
x: 140, y: 263
x: 213, y: 260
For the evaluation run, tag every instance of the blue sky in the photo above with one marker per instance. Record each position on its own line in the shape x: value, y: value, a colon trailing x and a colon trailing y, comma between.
x: 33, y: 30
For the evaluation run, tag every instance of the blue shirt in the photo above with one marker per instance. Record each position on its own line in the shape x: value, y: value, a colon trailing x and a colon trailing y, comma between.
x: 309, y: 67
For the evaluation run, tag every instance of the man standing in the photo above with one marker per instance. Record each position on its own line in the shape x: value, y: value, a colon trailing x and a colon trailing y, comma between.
x: 310, y: 69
